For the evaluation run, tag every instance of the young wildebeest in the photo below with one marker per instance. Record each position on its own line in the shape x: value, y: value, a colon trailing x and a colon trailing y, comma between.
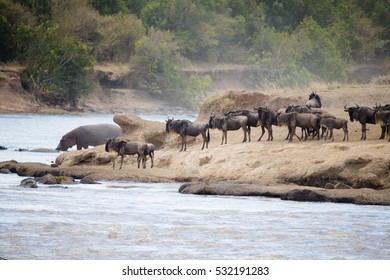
x: 232, y: 123
x: 267, y: 118
x: 127, y: 148
x: 331, y: 123
x: 292, y: 120
x: 364, y: 115
x: 187, y: 128
x: 314, y: 100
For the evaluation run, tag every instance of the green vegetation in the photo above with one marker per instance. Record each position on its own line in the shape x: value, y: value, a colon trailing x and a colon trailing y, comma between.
x: 289, y: 43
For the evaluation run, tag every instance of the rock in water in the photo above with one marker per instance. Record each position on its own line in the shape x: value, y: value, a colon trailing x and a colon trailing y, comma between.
x: 28, y: 183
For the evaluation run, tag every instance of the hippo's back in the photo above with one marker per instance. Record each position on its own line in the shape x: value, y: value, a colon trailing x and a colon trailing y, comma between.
x: 94, y: 135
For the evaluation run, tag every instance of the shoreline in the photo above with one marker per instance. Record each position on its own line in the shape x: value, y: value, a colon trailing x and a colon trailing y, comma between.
x: 363, y: 196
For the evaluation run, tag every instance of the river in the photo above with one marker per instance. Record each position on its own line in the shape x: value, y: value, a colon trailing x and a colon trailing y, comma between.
x: 131, y: 220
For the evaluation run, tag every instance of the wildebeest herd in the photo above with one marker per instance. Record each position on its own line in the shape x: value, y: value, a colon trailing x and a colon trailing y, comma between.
x: 313, y: 121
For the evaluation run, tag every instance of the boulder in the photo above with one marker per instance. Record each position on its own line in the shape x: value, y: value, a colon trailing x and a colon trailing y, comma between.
x: 43, y: 150
x: 5, y: 171
x: 88, y: 180
x: 78, y: 157
x: 49, y: 179
x: 135, y: 128
x: 28, y: 183
x: 303, y: 195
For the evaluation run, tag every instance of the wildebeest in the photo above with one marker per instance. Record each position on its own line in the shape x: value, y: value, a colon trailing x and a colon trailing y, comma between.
x: 363, y: 114
x: 187, y: 128
x: 314, y: 100
x: 88, y: 135
x: 123, y: 148
x: 331, y: 123
x: 267, y: 118
x: 253, y: 119
x: 305, y: 109
x: 230, y: 123
x: 294, y: 119
x: 149, y: 151
x: 383, y: 119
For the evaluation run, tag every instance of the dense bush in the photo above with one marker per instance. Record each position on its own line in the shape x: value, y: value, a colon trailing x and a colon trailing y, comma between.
x: 62, y: 68
x: 157, y: 66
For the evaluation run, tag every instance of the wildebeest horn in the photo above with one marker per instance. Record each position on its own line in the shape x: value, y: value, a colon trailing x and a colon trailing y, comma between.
x: 357, y: 106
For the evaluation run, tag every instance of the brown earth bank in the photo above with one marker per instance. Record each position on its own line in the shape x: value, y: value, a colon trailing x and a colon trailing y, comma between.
x: 348, y: 172
x: 110, y: 96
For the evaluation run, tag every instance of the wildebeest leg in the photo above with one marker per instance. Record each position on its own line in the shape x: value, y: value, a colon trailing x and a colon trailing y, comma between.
x: 292, y: 133
x: 204, y: 139
x: 185, y: 142
x: 303, y: 131
x: 208, y: 138
x: 182, y: 143
x: 388, y: 130
x: 244, y: 128
x: 363, y: 132
x: 122, y: 155
x: 113, y: 165
x: 139, y: 160
x: 326, y: 135
x: 289, y: 132
x: 345, y: 133
x: 383, y: 127
x: 249, y: 133
x: 270, y: 133
x: 262, y: 133
x: 225, y: 134
x: 79, y: 147
x: 331, y: 134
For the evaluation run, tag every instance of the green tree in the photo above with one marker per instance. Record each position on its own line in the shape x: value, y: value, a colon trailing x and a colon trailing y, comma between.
x: 109, y: 7
x: 117, y: 36
x: 11, y: 16
x: 319, y: 51
x: 59, y: 70
x: 40, y: 8
x: 157, y: 67
x: 276, y: 61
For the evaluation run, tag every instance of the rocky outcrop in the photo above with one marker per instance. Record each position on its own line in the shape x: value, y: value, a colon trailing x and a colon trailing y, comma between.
x: 136, y: 129
x: 289, y: 192
x: 50, y: 179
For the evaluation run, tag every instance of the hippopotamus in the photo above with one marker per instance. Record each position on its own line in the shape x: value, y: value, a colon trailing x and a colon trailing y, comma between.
x: 88, y: 135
